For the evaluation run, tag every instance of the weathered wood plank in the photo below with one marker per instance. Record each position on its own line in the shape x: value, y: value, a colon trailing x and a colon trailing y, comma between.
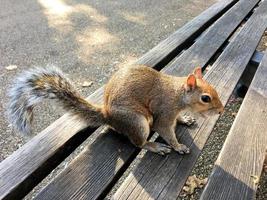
x: 247, y: 143
x: 172, y: 171
x: 98, y: 168
x: 55, y: 191
x: 20, y: 172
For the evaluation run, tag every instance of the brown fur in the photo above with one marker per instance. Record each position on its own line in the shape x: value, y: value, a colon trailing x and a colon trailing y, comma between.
x: 139, y: 99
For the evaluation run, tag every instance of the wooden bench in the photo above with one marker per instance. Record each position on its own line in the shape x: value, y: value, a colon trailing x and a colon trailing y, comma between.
x: 224, y: 36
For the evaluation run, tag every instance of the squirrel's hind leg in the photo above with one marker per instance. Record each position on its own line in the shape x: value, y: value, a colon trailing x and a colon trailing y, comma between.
x: 136, y: 127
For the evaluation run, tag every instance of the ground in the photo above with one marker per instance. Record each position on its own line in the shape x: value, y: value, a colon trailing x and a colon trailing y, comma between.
x: 88, y: 40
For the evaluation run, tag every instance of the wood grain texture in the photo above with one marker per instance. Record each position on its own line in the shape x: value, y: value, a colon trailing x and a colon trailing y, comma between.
x: 26, y: 167
x: 103, y: 160
x: 171, y: 172
x: 241, y: 159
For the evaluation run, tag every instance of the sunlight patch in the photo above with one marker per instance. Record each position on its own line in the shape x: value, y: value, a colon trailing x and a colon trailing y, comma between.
x: 55, y: 7
x: 92, y: 40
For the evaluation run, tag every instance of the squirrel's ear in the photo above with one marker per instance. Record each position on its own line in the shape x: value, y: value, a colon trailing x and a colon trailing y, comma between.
x: 191, y: 82
x: 198, y: 72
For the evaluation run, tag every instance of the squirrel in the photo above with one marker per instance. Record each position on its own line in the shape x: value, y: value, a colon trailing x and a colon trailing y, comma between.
x: 137, y: 99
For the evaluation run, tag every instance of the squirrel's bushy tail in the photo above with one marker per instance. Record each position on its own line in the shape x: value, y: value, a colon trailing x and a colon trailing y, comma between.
x: 38, y: 84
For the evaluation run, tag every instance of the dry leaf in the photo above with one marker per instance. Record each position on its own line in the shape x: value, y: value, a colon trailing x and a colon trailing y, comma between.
x: 256, y: 179
x: 11, y: 67
x: 192, y: 183
x: 87, y: 84
x: 186, y: 189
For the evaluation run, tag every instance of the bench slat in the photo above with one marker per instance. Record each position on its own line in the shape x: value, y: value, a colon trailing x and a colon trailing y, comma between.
x: 26, y: 167
x: 241, y: 159
x: 171, y: 172
x: 55, y: 191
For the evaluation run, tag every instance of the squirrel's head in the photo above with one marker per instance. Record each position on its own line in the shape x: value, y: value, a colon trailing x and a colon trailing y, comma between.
x: 200, y: 96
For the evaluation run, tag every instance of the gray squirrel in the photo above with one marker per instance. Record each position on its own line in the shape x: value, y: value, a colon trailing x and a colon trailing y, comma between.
x: 137, y: 99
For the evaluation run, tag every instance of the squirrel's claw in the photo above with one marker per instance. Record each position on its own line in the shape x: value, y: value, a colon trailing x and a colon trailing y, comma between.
x: 163, y: 149
x: 188, y: 120
x: 182, y: 149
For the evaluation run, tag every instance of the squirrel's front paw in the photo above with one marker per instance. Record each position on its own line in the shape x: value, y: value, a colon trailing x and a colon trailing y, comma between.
x: 187, y: 120
x: 182, y: 149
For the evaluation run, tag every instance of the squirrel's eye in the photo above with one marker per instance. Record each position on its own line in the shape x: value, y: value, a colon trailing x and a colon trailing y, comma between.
x: 205, y: 98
